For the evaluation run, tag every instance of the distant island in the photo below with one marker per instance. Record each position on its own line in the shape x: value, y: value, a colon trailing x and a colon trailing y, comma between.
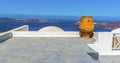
x: 6, y: 19
x: 109, y: 26
x: 106, y: 25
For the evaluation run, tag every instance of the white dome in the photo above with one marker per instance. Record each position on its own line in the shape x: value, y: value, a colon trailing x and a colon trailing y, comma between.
x: 116, y: 30
x: 51, y: 29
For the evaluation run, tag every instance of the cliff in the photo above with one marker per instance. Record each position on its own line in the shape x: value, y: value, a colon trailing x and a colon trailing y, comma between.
x: 109, y: 26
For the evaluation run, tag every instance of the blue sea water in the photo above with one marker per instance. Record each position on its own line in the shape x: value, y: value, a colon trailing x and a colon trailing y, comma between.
x: 67, y: 23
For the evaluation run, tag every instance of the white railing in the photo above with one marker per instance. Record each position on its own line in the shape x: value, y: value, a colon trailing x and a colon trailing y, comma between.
x: 116, y: 41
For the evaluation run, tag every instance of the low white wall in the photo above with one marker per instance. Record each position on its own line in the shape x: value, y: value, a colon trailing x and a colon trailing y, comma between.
x: 104, y: 44
x: 95, y: 36
x: 8, y: 34
x: 21, y: 28
x: 44, y: 34
x: 4, y: 36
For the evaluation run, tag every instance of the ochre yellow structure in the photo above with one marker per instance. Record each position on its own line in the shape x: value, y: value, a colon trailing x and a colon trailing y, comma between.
x: 86, y: 26
x: 115, y: 42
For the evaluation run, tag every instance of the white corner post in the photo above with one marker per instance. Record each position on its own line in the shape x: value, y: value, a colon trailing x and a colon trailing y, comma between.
x: 105, y: 42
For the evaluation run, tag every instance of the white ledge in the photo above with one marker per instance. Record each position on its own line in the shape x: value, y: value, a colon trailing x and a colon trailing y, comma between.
x: 44, y: 34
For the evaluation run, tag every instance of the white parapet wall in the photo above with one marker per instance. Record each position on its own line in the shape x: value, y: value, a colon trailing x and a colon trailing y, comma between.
x: 95, y: 36
x: 8, y: 34
x: 21, y: 28
x: 104, y: 44
x: 45, y: 34
x: 4, y: 36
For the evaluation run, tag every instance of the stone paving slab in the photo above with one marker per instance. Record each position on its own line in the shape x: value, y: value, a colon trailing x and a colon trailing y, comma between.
x: 110, y: 59
x: 45, y: 50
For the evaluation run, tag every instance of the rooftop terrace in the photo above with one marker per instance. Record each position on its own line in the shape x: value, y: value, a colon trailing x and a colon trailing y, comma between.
x: 45, y: 50
x: 24, y: 47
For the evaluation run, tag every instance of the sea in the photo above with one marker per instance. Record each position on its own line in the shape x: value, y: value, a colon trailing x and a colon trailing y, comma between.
x: 67, y: 23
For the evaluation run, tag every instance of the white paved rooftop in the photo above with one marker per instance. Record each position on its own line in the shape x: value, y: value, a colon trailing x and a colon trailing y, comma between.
x: 44, y: 50
x: 48, y: 50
